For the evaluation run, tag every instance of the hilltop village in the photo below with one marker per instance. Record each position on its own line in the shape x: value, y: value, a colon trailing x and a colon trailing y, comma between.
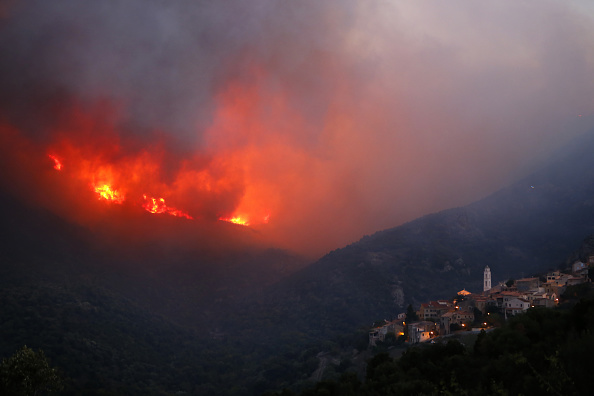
x: 476, y: 311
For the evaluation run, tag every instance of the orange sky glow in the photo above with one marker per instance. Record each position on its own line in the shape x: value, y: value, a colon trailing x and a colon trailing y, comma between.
x: 304, y: 127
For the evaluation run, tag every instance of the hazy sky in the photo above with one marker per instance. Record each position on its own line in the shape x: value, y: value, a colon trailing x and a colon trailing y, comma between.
x: 317, y: 121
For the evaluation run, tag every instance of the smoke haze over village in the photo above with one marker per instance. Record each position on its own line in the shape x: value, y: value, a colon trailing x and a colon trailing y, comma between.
x: 314, y: 122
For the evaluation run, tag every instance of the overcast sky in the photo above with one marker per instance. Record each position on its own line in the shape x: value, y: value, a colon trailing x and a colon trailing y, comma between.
x: 331, y: 119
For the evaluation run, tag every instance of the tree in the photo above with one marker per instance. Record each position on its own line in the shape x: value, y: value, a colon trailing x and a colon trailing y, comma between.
x: 28, y: 373
x: 411, y: 315
x: 478, y: 315
x: 375, y: 362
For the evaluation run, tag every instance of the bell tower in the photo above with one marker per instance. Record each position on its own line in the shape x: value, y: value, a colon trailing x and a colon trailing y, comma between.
x: 487, y: 279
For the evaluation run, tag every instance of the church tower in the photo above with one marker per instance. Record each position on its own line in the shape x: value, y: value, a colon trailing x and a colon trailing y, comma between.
x: 487, y: 279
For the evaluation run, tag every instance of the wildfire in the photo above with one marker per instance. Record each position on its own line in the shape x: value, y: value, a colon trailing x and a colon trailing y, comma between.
x: 243, y: 220
x: 122, y: 172
x: 235, y: 220
x: 157, y: 205
x: 57, y: 163
x: 106, y: 192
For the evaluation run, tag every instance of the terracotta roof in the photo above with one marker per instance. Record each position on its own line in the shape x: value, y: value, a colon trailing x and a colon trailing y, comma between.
x: 526, y: 279
x: 510, y: 293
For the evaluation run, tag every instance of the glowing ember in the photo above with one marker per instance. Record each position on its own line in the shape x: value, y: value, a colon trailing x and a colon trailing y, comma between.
x: 235, y: 220
x: 109, y: 194
x: 57, y: 163
x: 244, y: 220
x: 154, y: 205
x: 157, y: 205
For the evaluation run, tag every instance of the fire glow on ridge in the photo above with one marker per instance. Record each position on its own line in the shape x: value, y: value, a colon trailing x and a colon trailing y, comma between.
x: 157, y: 205
x: 57, y: 163
x: 109, y: 194
x: 126, y: 176
x: 235, y: 220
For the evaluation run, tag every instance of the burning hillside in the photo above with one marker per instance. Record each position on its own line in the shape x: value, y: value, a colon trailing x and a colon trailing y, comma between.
x: 311, y: 123
x: 89, y: 155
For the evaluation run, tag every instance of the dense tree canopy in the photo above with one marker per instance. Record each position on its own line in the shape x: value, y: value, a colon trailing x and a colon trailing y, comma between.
x: 28, y: 373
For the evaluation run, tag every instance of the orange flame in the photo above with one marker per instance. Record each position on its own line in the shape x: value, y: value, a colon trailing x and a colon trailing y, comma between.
x: 57, y: 163
x: 235, y: 220
x: 219, y: 180
x: 157, y: 205
x: 106, y: 192
x: 244, y: 220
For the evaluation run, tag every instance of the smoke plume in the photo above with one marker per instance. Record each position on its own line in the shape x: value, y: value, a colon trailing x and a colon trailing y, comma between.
x: 313, y: 122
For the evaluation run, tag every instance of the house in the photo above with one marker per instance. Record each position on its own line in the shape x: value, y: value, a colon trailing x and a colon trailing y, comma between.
x: 434, y: 309
x: 560, y: 280
x: 481, y: 303
x: 536, y: 295
x: 379, y: 333
x: 464, y: 317
x: 516, y: 306
x: 554, y: 289
x: 584, y: 274
x: 503, y: 297
x: 544, y: 302
x: 575, y: 280
x: 496, y: 289
x: 578, y: 266
x: 459, y: 317
x: 553, y: 276
x: 420, y: 331
x: 557, y: 283
x: 467, y: 304
x: 445, y: 321
x: 527, y: 284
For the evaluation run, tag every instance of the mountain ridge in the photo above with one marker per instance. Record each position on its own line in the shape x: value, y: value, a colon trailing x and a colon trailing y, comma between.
x: 524, y: 228
x: 269, y: 326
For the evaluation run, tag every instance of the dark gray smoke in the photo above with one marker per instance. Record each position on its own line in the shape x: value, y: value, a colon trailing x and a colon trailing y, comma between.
x: 164, y: 62
x: 352, y: 115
